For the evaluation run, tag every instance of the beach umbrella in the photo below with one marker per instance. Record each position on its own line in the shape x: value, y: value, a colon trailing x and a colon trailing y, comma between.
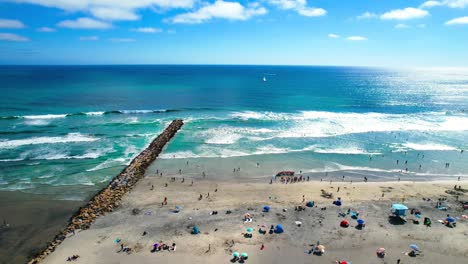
x: 320, y: 248
x: 381, y: 251
x: 266, y: 208
x: 451, y: 219
x: 249, y: 230
x: 360, y: 221
x: 244, y: 255
x: 235, y: 254
x: 344, y: 223
x: 414, y: 247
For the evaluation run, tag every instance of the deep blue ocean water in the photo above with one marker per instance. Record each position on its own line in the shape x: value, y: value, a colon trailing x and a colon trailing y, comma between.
x: 67, y: 130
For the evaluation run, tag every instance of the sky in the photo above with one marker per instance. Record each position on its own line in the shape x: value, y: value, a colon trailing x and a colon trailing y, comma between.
x: 393, y: 33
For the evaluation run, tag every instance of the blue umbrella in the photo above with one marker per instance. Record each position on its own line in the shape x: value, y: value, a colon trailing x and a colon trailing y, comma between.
x: 360, y: 221
x: 451, y: 219
x: 414, y: 247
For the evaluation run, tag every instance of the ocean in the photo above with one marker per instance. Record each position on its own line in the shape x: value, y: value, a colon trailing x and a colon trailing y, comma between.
x: 65, y: 131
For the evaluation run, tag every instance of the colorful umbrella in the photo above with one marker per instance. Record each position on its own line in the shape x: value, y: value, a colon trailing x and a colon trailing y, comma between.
x: 244, y: 255
x: 414, y: 247
x: 235, y: 254
x: 360, y: 221
x: 250, y: 230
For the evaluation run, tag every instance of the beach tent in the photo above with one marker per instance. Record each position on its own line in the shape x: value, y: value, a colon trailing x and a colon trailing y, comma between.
x: 285, y: 173
x: 279, y: 229
x: 451, y: 219
x: 310, y: 204
x: 266, y: 208
x: 414, y: 247
x: 344, y: 223
x: 195, y: 230
x: 399, y: 209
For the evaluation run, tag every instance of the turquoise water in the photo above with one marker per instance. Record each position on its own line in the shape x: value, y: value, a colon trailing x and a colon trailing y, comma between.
x: 67, y: 131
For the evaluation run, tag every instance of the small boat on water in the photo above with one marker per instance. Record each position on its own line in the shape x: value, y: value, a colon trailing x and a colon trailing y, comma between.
x: 264, y: 79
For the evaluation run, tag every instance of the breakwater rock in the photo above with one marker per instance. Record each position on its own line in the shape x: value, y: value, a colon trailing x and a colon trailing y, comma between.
x: 109, y: 198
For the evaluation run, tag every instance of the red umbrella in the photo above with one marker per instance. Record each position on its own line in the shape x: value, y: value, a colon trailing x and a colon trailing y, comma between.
x: 344, y: 223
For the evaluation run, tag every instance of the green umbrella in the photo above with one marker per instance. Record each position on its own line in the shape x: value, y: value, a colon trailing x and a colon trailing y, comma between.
x: 250, y: 230
x: 244, y: 255
x: 235, y: 254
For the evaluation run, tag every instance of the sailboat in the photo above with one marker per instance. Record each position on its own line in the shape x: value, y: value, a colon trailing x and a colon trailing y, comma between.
x: 264, y: 79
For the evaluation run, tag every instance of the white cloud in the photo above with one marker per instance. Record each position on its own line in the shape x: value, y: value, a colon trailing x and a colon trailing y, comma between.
x: 404, y: 14
x: 13, y: 37
x: 11, y: 23
x: 220, y: 9
x: 148, y: 30
x: 171, y: 31
x: 111, y: 9
x: 356, y: 38
x: 447, y: 3
x: 331, y: 35
x: 458, y: 21
x: 46, y: 29
x: 122, y: 40
x: 429, y: 4
x: 107, y: 13
x: 89, y: 38
x: 300, y: 6
x: 367, y: 15
x: 421, y: 25
x: 312, y: 12
x: 84, y: 23
x: 401, y: 26
x: 456, y: 3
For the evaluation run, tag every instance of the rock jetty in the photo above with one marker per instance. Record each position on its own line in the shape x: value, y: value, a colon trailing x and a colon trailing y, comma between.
x: 109, y: 198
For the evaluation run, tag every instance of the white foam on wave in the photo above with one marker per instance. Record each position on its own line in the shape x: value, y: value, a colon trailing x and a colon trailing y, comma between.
x: 69, y: 138
x: 226, y: 135
x: 108, y: 164
x: 345, y: 150
x: 314, y: 124
x: 428, y: 146
x: 137, y: 111
x: 48, y: 116
x: 37, y: 122
x: 94, y: 113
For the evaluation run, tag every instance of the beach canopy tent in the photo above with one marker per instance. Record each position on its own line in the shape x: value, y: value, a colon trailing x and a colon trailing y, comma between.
x: 310, y: 204
x: 399, y: 209
x: 266, y: 208
x: 279, y: 229
x: 451, y: 219
x: 414, y: 247
x: 344, y: 223
x: 195, y: 230
x: 285, y: 173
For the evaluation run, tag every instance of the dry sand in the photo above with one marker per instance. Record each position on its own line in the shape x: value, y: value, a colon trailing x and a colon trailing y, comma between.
x: 439, y: 244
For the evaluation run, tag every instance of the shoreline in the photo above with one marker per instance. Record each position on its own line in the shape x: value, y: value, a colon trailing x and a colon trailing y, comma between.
x: 109, y: 197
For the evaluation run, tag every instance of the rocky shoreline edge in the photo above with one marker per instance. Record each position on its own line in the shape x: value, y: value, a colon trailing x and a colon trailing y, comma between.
x: 109, y: 198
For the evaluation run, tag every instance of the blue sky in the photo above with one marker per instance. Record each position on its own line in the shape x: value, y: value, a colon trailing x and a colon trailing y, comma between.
x: 396, y: 33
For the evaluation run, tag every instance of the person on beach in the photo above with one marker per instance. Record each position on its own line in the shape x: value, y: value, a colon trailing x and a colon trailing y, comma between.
x: 397, y: 161
x: 201, y: 197
x: 152, y: 187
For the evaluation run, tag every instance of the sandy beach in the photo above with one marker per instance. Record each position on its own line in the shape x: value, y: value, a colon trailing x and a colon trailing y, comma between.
x: 142, y: 221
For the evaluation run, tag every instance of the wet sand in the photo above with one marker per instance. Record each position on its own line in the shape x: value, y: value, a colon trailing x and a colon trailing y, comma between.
x: 141, y: 211
x: 33, y: 220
